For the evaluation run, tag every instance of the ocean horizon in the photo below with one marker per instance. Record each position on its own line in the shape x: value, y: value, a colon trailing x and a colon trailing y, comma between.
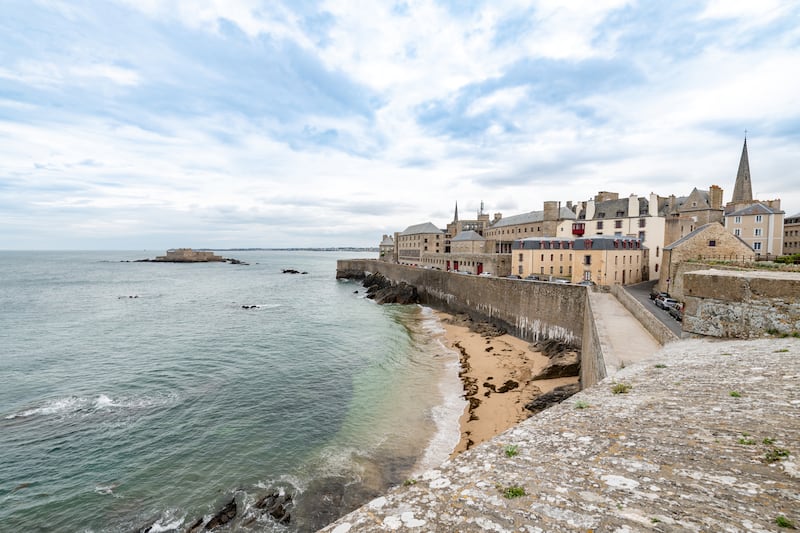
x: 145, y: 396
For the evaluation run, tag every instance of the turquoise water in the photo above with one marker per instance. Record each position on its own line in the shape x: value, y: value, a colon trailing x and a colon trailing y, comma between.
x: 139, y: 395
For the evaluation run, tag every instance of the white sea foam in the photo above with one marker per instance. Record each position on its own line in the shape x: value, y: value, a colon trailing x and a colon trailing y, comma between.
x: 76, y: 405
x: 446, y: 415
x: 168, y: 522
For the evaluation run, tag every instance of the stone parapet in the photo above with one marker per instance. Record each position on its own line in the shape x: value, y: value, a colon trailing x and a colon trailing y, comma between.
x: 741, y: 304
x: 705, y: 439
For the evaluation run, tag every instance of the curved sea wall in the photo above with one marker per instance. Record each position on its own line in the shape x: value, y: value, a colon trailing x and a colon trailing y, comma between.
x: 530, y: 310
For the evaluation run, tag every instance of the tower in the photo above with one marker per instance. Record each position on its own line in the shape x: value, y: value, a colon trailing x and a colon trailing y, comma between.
x: 743, y: 189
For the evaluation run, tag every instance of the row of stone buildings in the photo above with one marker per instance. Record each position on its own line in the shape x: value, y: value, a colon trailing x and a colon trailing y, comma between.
x: 607, y: 239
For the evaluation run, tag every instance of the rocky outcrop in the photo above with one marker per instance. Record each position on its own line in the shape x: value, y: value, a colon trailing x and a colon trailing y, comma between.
x: 292, y: 271
x: 557, y: 395
x: 564, y: 362
x: 384, y: 291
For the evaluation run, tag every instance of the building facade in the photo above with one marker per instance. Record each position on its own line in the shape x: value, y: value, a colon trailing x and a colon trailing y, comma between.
x: 791, y: 235
x: 417, y: 240
x: 553, y: 221
x: 602, y: 259
x: 708, y: 242
x: 635, y: 217
x: 386, y: 249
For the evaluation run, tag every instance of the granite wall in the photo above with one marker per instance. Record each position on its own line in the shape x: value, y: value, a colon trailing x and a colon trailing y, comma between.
x: 741, y: 304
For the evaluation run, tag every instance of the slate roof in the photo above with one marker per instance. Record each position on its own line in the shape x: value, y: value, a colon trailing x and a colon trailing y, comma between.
x: 610, y: 208
x: 425, y: 227
x: 753, y: 209
x: 468, y: 235
x: 529, y: 218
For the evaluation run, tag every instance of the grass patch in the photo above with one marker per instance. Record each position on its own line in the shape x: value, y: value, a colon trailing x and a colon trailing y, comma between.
x: 655, y: 520
x: 511, y: 450
x: 513, y: 492
x: 735, y: 394
x: 768, y: 441
x: 782, y: 350
x: 580, y: 404
x: 782, y: 521
x: 746, y: 441
x: 775, y: 454
x: 409, y: 482
x: 661, y: 365
x: 621, y: 388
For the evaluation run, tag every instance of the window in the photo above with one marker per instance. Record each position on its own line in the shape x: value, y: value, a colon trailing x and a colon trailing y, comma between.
x: 561, y: 270
x: 587, y: 259
x: 757, y: 246
x: 520, y: 256
x: 618, y: 224
x: 642, y: 222
x: 641, y: 235
x: 737, y: 232
x: 758, y: 218
x: 551, y: 257
x: 519, y: 271
x: 737, y: 220
x: 657, y: 250
x: 542, y: 257
x: 599, y: 224
x: 712, y: 244
x: 757, y: 232
x: 551, y: 270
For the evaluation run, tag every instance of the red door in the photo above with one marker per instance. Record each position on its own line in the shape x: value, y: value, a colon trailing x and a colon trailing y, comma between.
x: 480, y: 268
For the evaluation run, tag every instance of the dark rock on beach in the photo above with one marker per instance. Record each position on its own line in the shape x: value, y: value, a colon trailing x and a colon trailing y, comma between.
x: 564, y: 365
x: 292, y: 271
x: 557, y: 395
x: 384, y: 291
x: 225, y: 515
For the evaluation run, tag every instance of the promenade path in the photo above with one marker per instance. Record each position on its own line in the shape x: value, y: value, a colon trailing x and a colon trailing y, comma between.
x: 623, y: 338
x: 706, y: 438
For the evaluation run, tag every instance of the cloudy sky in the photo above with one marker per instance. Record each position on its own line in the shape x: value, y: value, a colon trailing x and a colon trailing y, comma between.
x: 134, y: 124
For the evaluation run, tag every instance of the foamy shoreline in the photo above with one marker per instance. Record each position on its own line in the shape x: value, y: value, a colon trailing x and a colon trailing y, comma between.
x: 496, y: 374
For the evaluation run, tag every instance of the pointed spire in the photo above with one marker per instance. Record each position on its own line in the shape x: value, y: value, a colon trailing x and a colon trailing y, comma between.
x: 743, y: 189
x: 455, y: 218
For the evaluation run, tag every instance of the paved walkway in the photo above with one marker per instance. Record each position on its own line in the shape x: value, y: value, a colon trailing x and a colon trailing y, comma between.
x: 706, y: 438
x: 622, y: 336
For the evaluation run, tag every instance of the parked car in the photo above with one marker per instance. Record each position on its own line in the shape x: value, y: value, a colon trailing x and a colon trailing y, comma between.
x: 587, y: 283
x: 666, y: 303
x: 531, y: 277
x: 676, y: 311
x: 486, y: 274
x: 513, y: 276
x: 655, y: 295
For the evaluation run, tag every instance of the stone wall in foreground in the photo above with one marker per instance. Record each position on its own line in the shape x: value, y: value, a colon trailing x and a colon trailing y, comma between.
x: 741, y: 304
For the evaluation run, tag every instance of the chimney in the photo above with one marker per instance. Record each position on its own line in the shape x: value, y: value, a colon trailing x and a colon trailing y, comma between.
x: 497, y: 216
x: 715, y: 196
x: 652, y: 208
x: 551, y: 210
x: 633, y: 206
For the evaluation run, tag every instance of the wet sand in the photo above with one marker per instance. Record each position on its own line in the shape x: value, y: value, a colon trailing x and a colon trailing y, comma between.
x: 497, y: 373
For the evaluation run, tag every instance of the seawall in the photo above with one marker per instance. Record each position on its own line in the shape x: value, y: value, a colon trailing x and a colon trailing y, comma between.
x: 530, y: 310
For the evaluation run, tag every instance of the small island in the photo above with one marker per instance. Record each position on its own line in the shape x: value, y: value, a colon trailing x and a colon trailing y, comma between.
x: 187, y: 255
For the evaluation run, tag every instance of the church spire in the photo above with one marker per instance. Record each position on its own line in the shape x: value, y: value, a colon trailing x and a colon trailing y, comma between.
x: 743, y: 189
x: 455, y: 218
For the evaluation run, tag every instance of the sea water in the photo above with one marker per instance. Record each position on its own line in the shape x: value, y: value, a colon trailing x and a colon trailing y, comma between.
x: 139, y: 395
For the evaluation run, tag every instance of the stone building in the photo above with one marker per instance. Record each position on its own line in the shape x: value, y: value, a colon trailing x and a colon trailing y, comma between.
x: 603, y: 259
x: 758, y: 223
x: 417, y: 240
x: 386, y: 249
x: 791, y: 235
x: 708, y: 242
x: 187, y: 255
x: 635, y: 216
x: 687, y: 213
x: 458, y: 225
x: 553, y: 221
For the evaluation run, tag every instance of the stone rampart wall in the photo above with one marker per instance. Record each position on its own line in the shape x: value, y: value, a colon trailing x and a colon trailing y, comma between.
x: 529, y: 310
x: 741, y: 304
x: 593, y: 365
x: 653, y: 325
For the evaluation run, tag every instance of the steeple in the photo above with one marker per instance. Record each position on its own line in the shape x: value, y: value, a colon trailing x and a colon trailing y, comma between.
x: 743, y: 190
x: 455, y: 218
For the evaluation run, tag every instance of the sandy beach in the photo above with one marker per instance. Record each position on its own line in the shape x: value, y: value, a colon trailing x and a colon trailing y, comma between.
x: 497, y: 373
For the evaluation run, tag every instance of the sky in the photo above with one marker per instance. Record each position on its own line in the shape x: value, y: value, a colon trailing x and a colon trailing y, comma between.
x: 151, y: 124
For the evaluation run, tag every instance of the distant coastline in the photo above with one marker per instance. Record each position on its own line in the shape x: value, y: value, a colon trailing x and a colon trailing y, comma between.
x: 334, y: 249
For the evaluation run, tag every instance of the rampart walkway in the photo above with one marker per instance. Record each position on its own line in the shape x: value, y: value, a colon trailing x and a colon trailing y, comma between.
x: 622, y: 337
x: 706, y: 438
